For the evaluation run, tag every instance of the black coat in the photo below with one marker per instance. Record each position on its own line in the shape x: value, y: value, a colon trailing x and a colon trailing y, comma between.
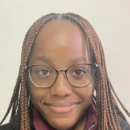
x: 14, y: 124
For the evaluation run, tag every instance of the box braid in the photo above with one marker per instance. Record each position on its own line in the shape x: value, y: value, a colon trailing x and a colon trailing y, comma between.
x: 104, y: 100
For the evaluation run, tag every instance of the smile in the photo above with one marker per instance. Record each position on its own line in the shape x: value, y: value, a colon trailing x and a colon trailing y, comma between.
x: 62, y: 107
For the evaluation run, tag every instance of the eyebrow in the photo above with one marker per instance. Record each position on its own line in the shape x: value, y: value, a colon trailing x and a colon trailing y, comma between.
x: 43, y: 59
x: 78, y: 59
x: 49, y: 60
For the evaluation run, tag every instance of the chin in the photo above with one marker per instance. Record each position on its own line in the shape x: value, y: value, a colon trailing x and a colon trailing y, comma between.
x: 62, y: 121
x: 62, y: 124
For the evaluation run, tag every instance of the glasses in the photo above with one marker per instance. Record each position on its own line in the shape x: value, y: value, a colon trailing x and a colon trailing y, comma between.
x: 44, y: 76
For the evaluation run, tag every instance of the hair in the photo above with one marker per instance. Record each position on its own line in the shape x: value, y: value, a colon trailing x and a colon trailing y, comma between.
x: 105, y: 97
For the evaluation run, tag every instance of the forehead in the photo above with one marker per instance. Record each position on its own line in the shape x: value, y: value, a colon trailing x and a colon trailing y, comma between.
x: 60, y: 30
x: 60, y: 40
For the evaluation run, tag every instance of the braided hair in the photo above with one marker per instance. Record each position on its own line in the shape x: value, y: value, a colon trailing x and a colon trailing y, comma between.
x: 105, y: 97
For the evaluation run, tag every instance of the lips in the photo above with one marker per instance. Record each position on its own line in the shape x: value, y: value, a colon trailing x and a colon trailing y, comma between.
x: 62, y: 107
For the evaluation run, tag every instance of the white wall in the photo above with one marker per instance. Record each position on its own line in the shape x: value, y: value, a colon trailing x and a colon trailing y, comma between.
x: 110, y: 18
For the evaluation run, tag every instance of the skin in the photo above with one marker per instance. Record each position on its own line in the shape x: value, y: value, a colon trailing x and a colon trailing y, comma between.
x: 61, y: 44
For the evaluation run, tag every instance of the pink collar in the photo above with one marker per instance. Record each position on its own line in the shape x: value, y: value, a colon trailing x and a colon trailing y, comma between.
x: 40, y: 123
x: 91, y: 123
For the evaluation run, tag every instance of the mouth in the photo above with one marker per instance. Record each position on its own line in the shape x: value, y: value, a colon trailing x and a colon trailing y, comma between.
x: 62, y: 107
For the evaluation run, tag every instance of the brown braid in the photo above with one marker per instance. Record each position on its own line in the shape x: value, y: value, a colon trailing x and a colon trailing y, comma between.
x: 104, y: 100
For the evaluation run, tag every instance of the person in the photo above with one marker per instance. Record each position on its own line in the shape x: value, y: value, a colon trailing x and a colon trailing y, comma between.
x: 62, y: 82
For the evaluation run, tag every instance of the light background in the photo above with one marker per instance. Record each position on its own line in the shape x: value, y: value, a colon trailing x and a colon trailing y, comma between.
x: 110, y: 18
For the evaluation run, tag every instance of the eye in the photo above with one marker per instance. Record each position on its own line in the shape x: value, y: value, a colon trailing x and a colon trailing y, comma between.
x: 44, y: 72
x: 78, y: 72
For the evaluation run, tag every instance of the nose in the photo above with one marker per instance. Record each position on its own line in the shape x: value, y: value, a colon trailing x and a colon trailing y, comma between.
x: 61, y: 88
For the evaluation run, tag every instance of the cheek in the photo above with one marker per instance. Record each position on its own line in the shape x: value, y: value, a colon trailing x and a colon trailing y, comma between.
x: 37, y: 94
x: 86, y: 94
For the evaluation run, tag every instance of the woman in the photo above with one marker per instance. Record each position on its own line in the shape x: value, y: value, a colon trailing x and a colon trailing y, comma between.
x: 63, y: 82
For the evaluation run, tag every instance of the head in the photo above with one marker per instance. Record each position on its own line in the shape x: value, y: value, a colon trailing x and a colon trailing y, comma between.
x: 61, y: 44
x: 65, y: 46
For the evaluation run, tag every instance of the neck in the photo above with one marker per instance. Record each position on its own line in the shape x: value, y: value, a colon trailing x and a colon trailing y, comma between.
x: 80, y: 123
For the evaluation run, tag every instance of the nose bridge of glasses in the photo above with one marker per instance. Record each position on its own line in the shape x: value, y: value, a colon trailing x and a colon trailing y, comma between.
x: 61, y: 71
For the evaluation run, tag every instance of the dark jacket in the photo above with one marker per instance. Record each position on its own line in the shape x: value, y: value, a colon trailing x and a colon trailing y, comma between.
x: 14, y: 124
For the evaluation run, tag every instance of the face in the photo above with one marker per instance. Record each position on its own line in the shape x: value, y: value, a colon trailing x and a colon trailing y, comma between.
x: 60, y: 44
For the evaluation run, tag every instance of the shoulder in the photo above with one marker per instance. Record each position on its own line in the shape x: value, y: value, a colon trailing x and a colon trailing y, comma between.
x: 14, y: 124
x: 6, y: 127
x: 124, y: 124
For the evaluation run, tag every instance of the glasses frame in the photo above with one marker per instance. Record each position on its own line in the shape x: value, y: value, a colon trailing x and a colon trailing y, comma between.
x: 95, y: 65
